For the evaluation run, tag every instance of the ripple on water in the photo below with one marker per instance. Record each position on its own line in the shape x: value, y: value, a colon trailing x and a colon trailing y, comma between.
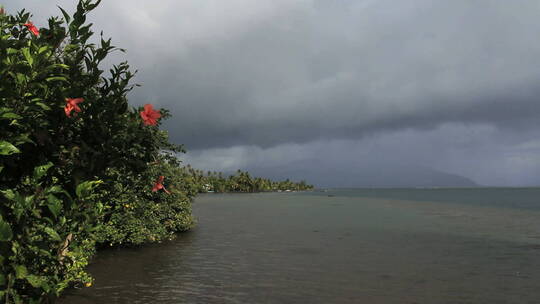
x: 306, y: 248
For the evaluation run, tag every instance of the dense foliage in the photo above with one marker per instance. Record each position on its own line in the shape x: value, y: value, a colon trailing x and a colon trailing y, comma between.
x: 240, y: 182
x: 77, y: 163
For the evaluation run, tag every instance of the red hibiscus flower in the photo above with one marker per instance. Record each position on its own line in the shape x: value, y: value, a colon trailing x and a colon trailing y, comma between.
x: 159, y: 185
x: 72, y: 105
x: 32, y: 28
x: 149, y: 115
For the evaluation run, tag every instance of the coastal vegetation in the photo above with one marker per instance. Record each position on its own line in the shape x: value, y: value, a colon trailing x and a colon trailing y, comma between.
x: 241, y: 181
x: 79, y: 167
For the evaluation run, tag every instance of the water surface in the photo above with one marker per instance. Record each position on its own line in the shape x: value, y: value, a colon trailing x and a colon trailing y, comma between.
x: 341, y: 246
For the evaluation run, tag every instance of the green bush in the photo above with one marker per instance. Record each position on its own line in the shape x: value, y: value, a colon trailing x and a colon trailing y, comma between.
x: 135, y: 214
x: 45, y: 237
x: 78, y: 165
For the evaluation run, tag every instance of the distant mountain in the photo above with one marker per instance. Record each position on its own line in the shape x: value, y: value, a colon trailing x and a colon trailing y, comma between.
x: 335, y: 173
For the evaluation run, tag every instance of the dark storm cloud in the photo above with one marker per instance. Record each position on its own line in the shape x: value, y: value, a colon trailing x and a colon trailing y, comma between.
x: 452, y: 85
x: 274, y: 72
x: 317, y: 71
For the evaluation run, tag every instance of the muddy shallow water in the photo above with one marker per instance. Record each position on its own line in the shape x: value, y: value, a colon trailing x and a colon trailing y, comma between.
x: 336, y: 247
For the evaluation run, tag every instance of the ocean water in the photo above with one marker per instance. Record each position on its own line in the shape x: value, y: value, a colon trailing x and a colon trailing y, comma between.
x: 340, y: 246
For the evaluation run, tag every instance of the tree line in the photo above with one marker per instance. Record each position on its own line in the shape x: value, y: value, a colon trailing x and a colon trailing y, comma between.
x: 241, y: 181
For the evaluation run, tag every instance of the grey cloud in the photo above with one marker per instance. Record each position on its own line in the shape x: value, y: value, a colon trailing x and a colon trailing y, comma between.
x: 273, y: 72
x: 278, y: 80
x: 339, y: 72
x: 480, y: 152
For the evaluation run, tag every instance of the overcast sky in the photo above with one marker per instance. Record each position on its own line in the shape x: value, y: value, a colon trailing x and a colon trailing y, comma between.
x: 451, y: 85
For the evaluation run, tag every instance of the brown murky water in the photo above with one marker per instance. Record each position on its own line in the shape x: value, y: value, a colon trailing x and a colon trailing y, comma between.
x: 336, y: 247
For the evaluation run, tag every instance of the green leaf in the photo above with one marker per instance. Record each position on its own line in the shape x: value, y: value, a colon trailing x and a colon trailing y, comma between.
x: 92, y: 6
x: 28, y: 56
x: 43, y: 49
x: 52, y: 233
x: 5, y: 231
x: 84, y: 188
x: 41, y: 170
x: 28, y: 200
x: 20, y: 271
x: 10, y: 116
x: 56, y: 78
x: 54, y: 204
x: 2, y: 279
x: 66, y: 15
x: 54, y: 189
x: 21, y: 139
x: 21, y: 78
x: 7, y: 148
x: 9, y: 194
x: 1, y: 168
x: 35, y: 281
x: 43, y: 106
x: 56, y: 66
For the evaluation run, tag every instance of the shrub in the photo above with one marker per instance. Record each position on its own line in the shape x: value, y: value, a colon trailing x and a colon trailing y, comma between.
x: 77, y: 163
x: 45, y: 237
x: 135, y: 214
